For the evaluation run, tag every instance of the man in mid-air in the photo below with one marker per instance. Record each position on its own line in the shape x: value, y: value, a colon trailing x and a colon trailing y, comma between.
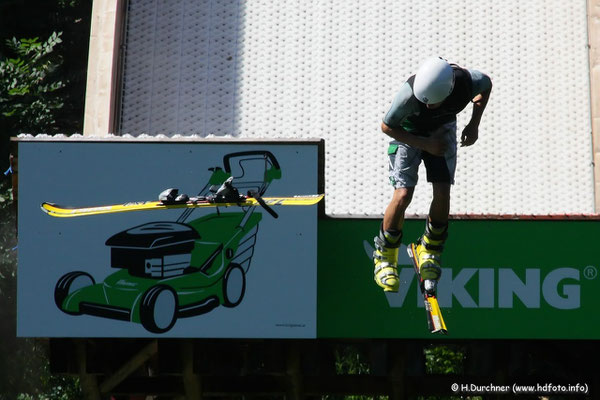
x: 422, y: 124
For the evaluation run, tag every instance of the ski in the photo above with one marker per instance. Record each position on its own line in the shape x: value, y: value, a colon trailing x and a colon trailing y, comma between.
x: 435, y: 321
x: 56, y: 210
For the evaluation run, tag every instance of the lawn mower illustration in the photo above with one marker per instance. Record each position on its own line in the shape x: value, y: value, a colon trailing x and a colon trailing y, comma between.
x: 168, y: 270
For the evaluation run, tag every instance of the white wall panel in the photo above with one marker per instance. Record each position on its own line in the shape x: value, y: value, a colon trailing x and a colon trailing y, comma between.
x: 330, y: 69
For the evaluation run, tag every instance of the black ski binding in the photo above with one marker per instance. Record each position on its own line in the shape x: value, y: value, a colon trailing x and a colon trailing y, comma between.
x: 172, y: 196
x: 227, y: 193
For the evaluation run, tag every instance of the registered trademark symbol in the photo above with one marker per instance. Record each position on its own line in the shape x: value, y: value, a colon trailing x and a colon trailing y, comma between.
x: 590, y: 272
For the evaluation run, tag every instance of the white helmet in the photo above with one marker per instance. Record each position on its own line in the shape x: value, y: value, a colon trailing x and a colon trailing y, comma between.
x: 434, y: 81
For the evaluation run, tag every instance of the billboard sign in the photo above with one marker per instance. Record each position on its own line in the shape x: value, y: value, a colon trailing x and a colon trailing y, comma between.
x: 188, y: 265
x: 234, y: 271
x: 526, y: 279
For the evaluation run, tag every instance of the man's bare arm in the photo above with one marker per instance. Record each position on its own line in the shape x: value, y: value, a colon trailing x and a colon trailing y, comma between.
x: 434, y: 144
x: 471, y: 132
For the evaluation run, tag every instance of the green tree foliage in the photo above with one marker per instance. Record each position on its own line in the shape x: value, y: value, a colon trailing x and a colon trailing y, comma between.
x: 29, y: 81
x: 350, y: 361
x: 444, y: 360
x: 61, y: 97
x: 56, y: 387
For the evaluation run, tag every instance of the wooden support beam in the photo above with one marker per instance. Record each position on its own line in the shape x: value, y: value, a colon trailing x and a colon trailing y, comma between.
x: 129, y: 367
x: 191, y: 381
x: 397, y: 373
x: 88, y: 382
x: 294, y: 372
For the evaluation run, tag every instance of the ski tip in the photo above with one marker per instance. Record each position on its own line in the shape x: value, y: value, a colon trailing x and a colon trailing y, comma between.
x: 55, y: 210
x: 318, y: 198
x: 46, y: 207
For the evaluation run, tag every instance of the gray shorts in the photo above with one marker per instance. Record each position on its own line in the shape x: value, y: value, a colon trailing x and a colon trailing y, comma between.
x: 405, y: 161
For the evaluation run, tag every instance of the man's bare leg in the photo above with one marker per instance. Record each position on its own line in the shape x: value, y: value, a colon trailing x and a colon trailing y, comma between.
x: 393, y: 219
x: 389, y: 239
x: 428, y: 249
x: 440, y: 204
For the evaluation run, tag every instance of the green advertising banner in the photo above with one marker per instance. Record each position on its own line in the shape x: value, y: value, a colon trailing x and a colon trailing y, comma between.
x: 525, y: 279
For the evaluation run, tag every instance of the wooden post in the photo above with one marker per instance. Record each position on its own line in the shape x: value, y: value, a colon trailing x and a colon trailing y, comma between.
x: 101, y: 89
x: 191, y: 381
x: 89, y: 383
x: 294, y: 373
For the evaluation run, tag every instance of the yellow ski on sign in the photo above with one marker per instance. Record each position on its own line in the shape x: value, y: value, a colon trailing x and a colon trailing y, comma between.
x: 55, y: 210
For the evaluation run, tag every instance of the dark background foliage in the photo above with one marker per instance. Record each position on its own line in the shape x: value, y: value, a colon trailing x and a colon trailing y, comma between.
x: 43, y: 64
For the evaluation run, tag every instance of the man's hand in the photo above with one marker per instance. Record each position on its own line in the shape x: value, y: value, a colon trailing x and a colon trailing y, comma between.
x: 469, y: 135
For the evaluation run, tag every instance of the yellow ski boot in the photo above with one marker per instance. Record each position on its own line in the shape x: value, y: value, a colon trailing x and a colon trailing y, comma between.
x: 385, y: 258
x: 427, y: 260
x: 427, y: 255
